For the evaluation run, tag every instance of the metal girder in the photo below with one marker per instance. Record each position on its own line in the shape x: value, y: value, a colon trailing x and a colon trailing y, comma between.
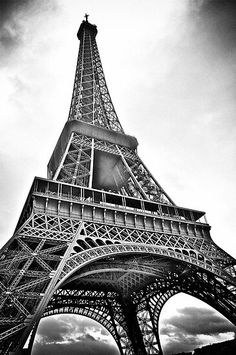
x: 75, y: 168
x: 45, y: 238
x: 55, y: 248
x: 145, y: 305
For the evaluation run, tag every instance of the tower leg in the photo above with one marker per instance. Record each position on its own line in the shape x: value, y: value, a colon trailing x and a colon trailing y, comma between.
x: 133, y: 328
x: 149, y: 306
x: 28, y: 351
x: 149, y: 332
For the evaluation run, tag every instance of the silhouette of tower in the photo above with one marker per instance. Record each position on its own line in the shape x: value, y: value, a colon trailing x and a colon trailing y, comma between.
x: 100, y: 237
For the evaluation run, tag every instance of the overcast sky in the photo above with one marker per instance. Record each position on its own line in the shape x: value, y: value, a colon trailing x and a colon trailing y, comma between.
x: 170, y: 69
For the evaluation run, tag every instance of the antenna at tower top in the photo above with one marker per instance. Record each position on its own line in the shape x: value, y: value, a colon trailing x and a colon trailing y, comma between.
x: 86, y: 17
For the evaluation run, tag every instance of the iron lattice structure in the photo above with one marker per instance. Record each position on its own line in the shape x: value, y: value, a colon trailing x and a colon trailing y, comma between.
x: 101, y: 238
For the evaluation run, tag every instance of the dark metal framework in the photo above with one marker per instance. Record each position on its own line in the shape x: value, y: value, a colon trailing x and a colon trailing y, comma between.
x: 101, y: 238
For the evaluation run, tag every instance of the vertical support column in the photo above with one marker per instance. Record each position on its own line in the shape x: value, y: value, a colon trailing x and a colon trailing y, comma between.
x: 154, y: 306
x: 118, y: 336
x: 28, y: 350
x: 150, y: 337
x: 116, y: 313
x: 133, y: 328
x: 62, y: 160
x: 91, y: 164
x: 155, y: 327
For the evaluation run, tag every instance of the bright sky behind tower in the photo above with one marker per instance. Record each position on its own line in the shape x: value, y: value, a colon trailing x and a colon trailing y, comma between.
x: 170, y: 69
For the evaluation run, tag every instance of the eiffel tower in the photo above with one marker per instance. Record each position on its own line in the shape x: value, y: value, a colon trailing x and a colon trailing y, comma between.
x: 101, y: 238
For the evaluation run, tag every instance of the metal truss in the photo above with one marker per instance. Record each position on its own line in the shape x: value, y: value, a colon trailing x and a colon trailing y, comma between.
x: 114, y: 251
x: 78, y: 160
x: 57, y: 245
x: 103, y: 307
x: 109, y: 240
x: 91, y: 101
x: 142, y: 307
x: 75, y: 168
x: 141, y: 183
x: 48, y: 249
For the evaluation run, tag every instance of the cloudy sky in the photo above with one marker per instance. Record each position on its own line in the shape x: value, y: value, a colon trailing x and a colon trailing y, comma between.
x: 170, y: 69
x: 185, y: 324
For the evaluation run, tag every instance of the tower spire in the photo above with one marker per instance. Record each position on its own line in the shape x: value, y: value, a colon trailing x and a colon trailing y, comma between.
x: 91, y: 101
x: 93, y: 150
